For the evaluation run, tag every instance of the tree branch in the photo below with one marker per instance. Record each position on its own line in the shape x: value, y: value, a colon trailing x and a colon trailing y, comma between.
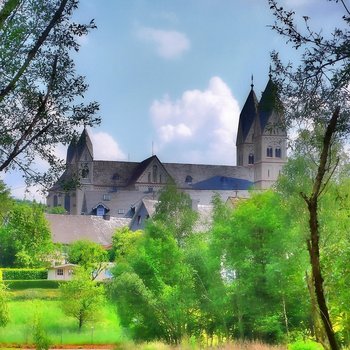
x: 31, y: 54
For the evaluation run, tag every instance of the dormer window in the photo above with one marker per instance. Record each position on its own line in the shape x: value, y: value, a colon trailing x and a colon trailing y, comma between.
x: 100, y: 210
x: 251, y: 158
x: 188, y: 179
x: 269, y: 152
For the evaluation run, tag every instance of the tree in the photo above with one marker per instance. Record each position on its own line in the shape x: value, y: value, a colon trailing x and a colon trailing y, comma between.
x: 82, y: 298
x: 4, y: 311
x: 38, y: 84
x: 263, y: 263
x: 174, y: 208
x: 154, y: 284
x: 316, y: 97
x: 26, y: 238
x: 89, y: 255
x: 6, y: 202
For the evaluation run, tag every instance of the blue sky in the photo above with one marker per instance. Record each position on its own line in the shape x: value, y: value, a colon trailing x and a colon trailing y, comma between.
x: 175, y: 73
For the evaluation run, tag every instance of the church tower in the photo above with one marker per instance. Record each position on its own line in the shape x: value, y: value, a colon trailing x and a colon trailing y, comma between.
x: 270, y: 138
x: 245, y: 134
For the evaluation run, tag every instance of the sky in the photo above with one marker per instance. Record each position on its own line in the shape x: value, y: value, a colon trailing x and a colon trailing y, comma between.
x: 171, y: 76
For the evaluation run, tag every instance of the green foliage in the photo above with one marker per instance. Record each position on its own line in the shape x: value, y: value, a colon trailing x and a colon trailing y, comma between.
x: 41, y: 340
x: 28, y: 284
x: 4, y: 312
x: 82, y: 298
x: 24, y: 274
x: 305, y: 345
x: 6, y: 202
x: 154, y: 285
x: 264, y: 261
x: 56, y: 210
x: 174, y: 209
x: 40, y: 84
x: 89, y: 255
x: 61, y: 330
x: 26, y: 237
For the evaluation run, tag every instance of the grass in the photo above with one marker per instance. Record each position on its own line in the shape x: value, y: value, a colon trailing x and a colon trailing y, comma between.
x: 25, y: 305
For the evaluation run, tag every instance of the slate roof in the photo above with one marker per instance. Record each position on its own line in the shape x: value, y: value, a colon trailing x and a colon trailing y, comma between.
x: 70, y: 228
x: 269, y: 102
x: 248, y: 114
x: 84, y: 141
x: 221, y: 183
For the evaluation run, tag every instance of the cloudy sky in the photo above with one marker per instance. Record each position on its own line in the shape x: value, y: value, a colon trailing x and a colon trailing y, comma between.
x: 172, y: 75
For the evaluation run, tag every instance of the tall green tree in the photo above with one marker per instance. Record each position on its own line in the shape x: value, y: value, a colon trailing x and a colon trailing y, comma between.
x: 25, y: 239
x: 154, y: 284
x: 316, y: 97
x: 39, y: 87
x: 262, y: 261
x: 82, y: 298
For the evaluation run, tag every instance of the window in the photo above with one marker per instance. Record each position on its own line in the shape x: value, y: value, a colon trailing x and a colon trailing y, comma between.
x: 155, y: 173
x: 59, y: 272
x: 106, y: 197
x: 150, y: 189
x: 139, y: 220
x: 55, y: 201
x: 269, y: 152
x: 121, y: 211
x: 100, y: 211
x: 85, y: 171
x: 278, y: 153
x: 251, y: 158
x: 188, y: 179
x: 149, y: 177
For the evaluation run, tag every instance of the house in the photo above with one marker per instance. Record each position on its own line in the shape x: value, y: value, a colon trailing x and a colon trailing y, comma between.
x: 61, y: 272
x: 65, y: 272
x: 127, y: 190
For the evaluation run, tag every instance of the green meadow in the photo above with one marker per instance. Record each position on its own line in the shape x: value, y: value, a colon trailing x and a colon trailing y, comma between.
x: 26, y: 306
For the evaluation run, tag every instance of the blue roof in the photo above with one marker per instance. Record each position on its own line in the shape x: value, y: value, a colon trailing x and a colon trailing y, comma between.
x: 223, y: 183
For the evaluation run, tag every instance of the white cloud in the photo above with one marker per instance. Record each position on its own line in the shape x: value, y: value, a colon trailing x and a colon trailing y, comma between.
x: 200, y: 127
x: 169, y: 44
x: 105, y: 147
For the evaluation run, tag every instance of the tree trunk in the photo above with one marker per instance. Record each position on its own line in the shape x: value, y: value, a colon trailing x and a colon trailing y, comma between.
x: 313, y: 240
x: 314, y: 253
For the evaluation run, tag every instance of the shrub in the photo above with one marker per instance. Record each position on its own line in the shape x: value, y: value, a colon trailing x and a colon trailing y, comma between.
x: 305, y: 345
x: 24, y: 274
x: 25, y: 284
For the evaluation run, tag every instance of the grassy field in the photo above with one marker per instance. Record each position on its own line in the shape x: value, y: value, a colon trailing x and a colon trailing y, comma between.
x: 29, y: 304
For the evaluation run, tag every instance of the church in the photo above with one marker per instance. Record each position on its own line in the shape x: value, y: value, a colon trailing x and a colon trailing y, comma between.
x: 123, y: 189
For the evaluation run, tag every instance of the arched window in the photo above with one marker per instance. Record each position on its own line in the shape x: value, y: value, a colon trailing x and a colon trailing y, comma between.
x: 278, y: 152
x: 188, y: 179
x: 251, y: 158
x: 85, y: 171
x: 55, y: 201
x: 155, y: 173
x: 67, y: 202
x: 269, y: 152
x: 149, y: 177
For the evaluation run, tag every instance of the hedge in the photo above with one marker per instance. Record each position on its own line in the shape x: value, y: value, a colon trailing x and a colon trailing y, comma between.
x: 24, y: 274
x: 29, y: 284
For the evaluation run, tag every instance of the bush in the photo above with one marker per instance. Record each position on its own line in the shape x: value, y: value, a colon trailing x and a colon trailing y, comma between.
x: 26, y: 284
x: 24, y: 274
x: 305, y: 345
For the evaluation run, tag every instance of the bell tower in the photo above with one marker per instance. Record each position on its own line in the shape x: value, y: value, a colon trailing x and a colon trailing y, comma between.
x: 270, y: 138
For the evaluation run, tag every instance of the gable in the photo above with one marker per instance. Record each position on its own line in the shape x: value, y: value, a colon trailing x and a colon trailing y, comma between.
x: 151, y: 171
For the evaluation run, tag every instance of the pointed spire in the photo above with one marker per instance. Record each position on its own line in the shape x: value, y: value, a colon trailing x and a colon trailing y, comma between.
x: 71, y: 150
x: 248, y: 114
x: 84, y: 142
